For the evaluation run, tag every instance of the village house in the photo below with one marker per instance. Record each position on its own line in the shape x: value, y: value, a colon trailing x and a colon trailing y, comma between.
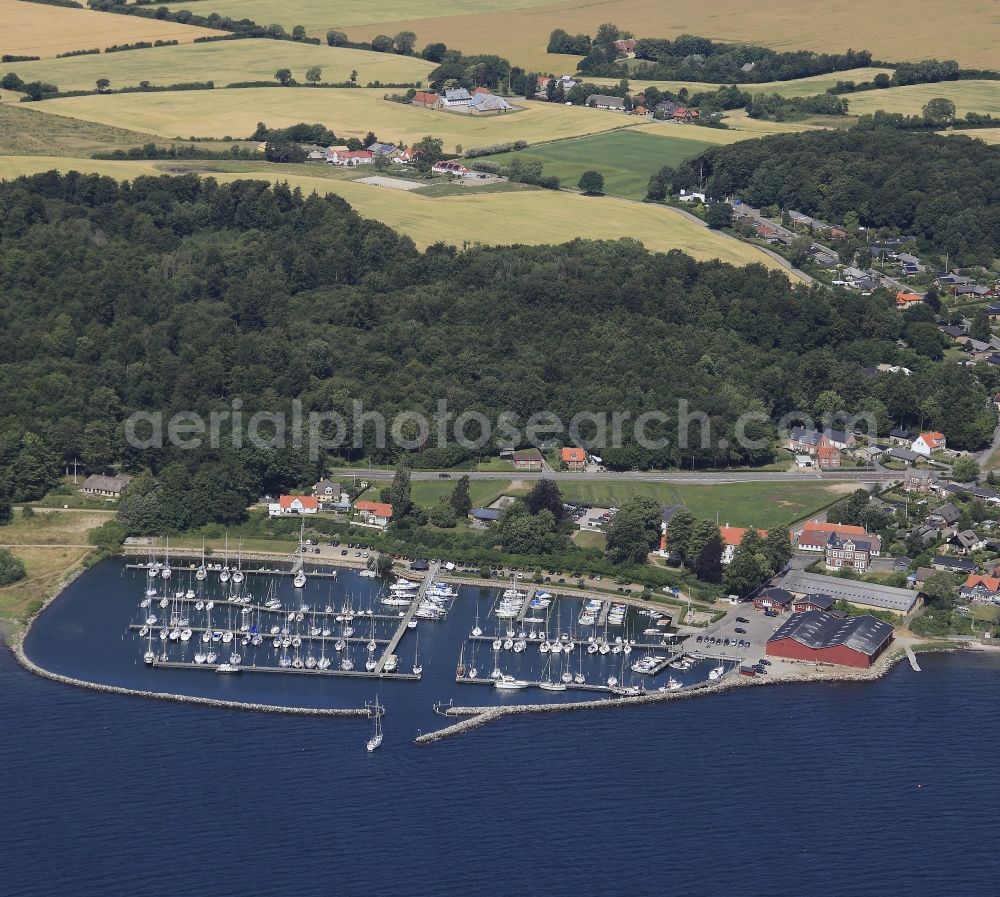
x: 906, y: 299
x: 951, y: 564
x: 919, y: 480
x: 109, y: 487
x: 573, y: 458
x: 732, y: 538
x: 292, y: 505
x: 774, y: 599
x: 926, y: 443
x: 329, y: 493
x: 848, y: 553
x: 454, y: 98
x: 898, y: 453
x: 815, y: 536
x: 425, y: 98
x: 527, y: 459
x: 692, y: 196
x: 814, y: 601
x: 350, y: 158
x: 600, y: 101
x: 374, y: 513
x: 828, y: 455
x: 944, y: 515
x: 625, y: 46
x: 981, y: 588
x: 450, y: 166
x: 900, y: 436
x: 966, y: 542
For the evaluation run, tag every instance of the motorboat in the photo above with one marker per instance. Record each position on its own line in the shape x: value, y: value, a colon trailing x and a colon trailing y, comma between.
x: 508, y: 683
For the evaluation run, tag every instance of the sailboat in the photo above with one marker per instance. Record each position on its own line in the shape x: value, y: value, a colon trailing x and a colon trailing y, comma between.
x: 376, y: 740
x: 547, y: 684
x: 201, y: 574
x: 238, y: 573
x: 300, y: 577
x: 417, y: 668
x: 165, y: 570
x: 224, y: 575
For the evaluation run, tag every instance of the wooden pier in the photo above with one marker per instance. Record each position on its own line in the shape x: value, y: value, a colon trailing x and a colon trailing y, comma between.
x: 525, y: 605
x: 348, y: 674
x: 578, y: 645
x: 297, y: 565
x: 266, y: 636
x: 404, y: 621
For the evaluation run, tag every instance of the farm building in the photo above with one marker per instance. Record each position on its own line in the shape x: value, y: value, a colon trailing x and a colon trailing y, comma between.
x: 827, y: 638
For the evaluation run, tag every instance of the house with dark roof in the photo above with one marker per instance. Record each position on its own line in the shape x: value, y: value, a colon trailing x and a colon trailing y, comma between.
x: 601, y: 101
x: 527, y: 459
x: 854, y: 591
x: 484, y: 516
x: 821, y: 637
x: 774, y: 599
x: 848, y: 553
x: 944, y: 515
x: 953, y: 564
x: 110, y: 487
x: 815, y: 601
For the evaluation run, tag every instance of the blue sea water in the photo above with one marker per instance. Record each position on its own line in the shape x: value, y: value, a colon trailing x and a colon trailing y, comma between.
x: 841, y: 789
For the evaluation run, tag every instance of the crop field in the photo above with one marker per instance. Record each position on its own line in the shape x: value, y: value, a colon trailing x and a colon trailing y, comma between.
x: 224, y: 62
x: 800, y: 87
x: 987, y: 135
x: 527, y: 216
x: 348, y: 112
x: 968, y: 96
x: 31, y: 29
x: 319, y: 15
x: 906, y: 29
x: 626, y: 158
x: 25, y: 132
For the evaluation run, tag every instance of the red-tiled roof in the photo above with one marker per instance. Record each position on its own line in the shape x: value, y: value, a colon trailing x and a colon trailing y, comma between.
x: 378, y: 508
x: 573, y: 454
x: 305, y: 501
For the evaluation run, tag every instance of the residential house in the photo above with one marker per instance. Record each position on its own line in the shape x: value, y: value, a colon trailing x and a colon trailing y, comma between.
x: 484, y: 516
x: 625, y: 46
x: 527, y: 459
x: 329, y: 493
x: 907, y: 261
x: 287, y: 505
x: 901, y: 454
x: 814, y: 536
x: 814, y: 601
x: 109, y: 487
x: 944, y: 515
x: 374, y: 513
x: 828, y: 455
x: 732, y: 537
x: 848, y: 553
x: 693, y: 196
x: 384, y: 150
x: 900, y: 436
x: 905, y: 299
x: 840, y: 439
x: 919, y: 480
x: 685, y: 115
x: 455, y: 98
x: 450, y: 166
x: 350, y: 158
x: 600, y: 101
x: 425, y: 98
x: 926, y: 443
x: 954, y: 331
x: 981, y: 588
x: 574, y: 458
x: 953, y: 564
x: 966, y: 542
x: 993, y: 310
x: 803, y: 440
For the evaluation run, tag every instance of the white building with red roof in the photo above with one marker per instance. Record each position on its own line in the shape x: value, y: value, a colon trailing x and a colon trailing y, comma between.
x: 287, y: 505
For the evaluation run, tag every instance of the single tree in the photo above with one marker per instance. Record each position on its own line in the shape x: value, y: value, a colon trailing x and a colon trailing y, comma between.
x: 939, y: 112
x: 399, y: 492
x: 283, y: 77
x: 591, y: 183
x: 299, y: 32
x: 708, y: 564
x: 461, y: 498
x: 11, y: 568
x: 336, y: 38
x: 964, y: 470
x: 679, y: 533
x: 404, y: 42
x: 545, y: 496
x: 382, y: 43
x: 719, y: 215
x: 314, y: 74
x: 103, y: 84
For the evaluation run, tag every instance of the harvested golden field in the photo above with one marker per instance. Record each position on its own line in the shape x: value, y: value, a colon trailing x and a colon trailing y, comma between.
x: 500, y: 218
x: 25, y: 131
x: 968, y: 31
x: 224, y: 62
x: 31, y: 29
x: 987, y: 135
x: 968, y: 96
x: 348, y: 112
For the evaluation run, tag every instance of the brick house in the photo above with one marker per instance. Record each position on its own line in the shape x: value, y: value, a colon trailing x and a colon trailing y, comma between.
x: 527, y: 459
x: 574, y: 458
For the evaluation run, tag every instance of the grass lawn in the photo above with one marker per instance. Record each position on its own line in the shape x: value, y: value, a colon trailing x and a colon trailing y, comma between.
x: 527, y: 217
x: 908, y: 29
x: 224, y: 62
x: 427, y: 493
x: 968, y: 96
x: 25, y: 131
x: 627, y: 158
x: 348, y: 113
x: 742, y: 504
x: 31, y: 29
x: 590, y: 539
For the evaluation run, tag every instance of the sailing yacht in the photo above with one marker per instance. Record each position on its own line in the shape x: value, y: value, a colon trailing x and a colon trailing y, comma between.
x: 238, y: 573
x: 300, y: 577
x: 165, y: 571
x: 224, y: 575
x: 417, y: 668
x: 201, y: 574
x: 376, y: 740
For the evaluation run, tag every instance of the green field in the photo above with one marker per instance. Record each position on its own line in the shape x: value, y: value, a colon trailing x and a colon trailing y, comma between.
x: 626, y: 158
x: 224, y: 62
x: 24, y: 131
x: 427, y: 493
x: 761, y: 504
x: 800, y: 87
x: 968, y: 96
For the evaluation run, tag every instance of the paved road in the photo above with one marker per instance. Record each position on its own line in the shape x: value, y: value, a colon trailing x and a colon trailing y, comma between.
x: 708, y: 478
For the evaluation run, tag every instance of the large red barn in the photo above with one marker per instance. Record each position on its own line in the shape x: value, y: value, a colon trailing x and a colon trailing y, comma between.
x: 828, y: 638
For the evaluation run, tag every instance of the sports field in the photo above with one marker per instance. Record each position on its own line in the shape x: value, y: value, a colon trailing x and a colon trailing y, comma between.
x: 31, y: 29
x: 223, y: 62
x: 348, y: 112
x: 968, y: 96
x: 906, y: 29
x: 627, y: 158
x: 530, y: 216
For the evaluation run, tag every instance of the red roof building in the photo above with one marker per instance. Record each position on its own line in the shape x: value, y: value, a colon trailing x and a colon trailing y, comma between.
x: 294, y: 504
x: 815, y: 536
x: 424, y: 98
x: 820, y: 637
x: 375, y: 513
x: 573, y: 458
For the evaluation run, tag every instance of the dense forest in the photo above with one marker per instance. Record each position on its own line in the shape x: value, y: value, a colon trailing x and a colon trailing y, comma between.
x: 179, y: 294
x: 945, y: 191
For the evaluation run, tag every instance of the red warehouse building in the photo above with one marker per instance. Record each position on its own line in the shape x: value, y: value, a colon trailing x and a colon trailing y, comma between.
x: 828, y: 638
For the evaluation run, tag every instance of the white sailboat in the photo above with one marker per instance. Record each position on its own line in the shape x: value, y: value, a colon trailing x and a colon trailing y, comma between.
x: 165, y: 571
x: 300, y: 577
x: 224, y: 575
x: 417, y: 668
x: 238, y: 572
x: 376, y: 740
x: 201, y: 574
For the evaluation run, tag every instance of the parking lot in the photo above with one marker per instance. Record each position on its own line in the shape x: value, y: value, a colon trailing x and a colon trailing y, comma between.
x: 588, y: 518
x: 758, y: 628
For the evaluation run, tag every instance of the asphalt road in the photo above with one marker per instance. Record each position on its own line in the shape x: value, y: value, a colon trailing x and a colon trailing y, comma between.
x: 708, y: 478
